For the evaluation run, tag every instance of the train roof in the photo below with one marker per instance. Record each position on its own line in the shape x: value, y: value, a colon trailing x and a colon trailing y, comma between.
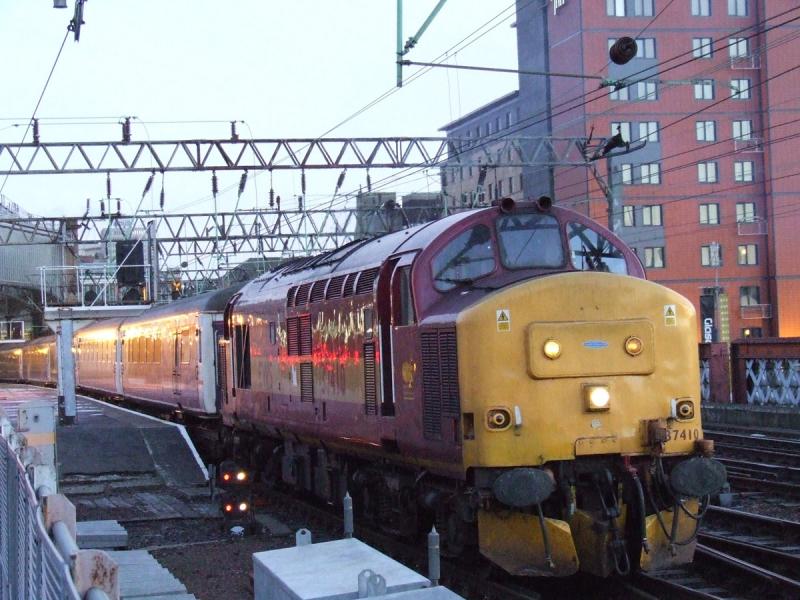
x: 214, y: 301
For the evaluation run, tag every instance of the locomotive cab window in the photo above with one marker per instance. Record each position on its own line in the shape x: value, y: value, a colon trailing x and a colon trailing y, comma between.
x: 466, y: 258
x: 591, y: 251
x: 402, y: 300
x: 529, y: 241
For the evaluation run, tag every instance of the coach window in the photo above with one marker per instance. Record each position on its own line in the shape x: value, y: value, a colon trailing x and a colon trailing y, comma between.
x: 591, y: 251
x: 466, y: 258
x: 529, y: 240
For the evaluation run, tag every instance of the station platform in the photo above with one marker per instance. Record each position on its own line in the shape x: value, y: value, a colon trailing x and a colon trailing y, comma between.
x: 112, y: 445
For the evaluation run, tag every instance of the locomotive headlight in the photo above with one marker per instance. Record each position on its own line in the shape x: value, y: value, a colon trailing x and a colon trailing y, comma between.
x: 597, y: 397
x: 552, y: 349
x: 241, y: 476
x: 242, y: 506
x: 634, y: 346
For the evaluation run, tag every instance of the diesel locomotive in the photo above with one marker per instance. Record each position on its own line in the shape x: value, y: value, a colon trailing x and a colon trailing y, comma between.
x: 505, y: 374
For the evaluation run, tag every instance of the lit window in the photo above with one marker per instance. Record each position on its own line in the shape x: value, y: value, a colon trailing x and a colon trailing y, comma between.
x: 707, y: 172
x: 654, y: 257
x: 743, y: 171
x: 711, y: 255
x: 737, y: 8
x: 738, y: 47
x: 748, y: 254
x: 646, y: 90
x: 620, y: 94
x: 740, y: 89
x: 628, y: 216
x: 702, y: 47
x: 651, y: 215
x: 648, y: 130
x: 651, y: 174
x: 742, y: 130
x: 709, y: 214
x: 706, y: 131
x: 623, y: 128
x: 626, y: 171
x: 704, y: 89
x: 745, y: 212
x: 749, y: 295
x: 701, y: 8
x: 646, y: 48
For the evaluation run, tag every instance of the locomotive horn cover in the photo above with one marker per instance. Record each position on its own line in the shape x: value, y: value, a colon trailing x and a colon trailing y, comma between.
x: 544, y: 203
x: 521, y: 488
x: 698, y: 477
x: 507, y: 205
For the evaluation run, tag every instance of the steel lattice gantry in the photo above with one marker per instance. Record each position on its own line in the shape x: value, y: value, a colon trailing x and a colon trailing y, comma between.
x: 51, y: 158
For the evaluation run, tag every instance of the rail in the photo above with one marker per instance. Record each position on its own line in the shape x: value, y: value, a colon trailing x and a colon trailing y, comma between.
x: 34, y: 565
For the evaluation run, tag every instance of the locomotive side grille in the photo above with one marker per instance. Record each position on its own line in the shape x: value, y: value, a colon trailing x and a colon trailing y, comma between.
x: 318, y: 290
x: 222, y: 373
x: 370, y: 385
x: 292, y: 338
x: 440, y: 397
x: 301, y: 297
x: 305, y: 335
x: 451, y: 405
x: 290, y: 296
x: 348, y: 284
x: 306, y: 382
x: 366, y: 281
x: 335, y: 287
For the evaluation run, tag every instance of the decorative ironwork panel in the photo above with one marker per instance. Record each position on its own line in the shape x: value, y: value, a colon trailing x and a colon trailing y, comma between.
x: 705, y: 380
x: 773, y: 381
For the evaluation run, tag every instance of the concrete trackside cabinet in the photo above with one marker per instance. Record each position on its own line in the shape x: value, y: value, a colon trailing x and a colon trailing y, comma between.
x: 330, y: 571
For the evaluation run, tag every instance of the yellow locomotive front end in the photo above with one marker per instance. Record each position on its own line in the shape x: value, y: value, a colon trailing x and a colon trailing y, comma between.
x: 581, y: 420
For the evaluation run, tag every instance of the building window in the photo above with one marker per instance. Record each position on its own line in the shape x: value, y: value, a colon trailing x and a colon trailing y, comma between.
x: 622, y: 128
x: 642, y: 8
x: 646, y: 90
x: 709, y: 214
x: 499, y: 189
x: 628, y: 216
x: 740, y: 89
x: 654, y: 257
x: 626, y: 172
x: 620, y: 94
x: 707, y: 172
x: 711, y: 255
x: 615, y: 8
x: 742, y: 130
x: 648, y: 130
x: 748, y: 254
x: 508, y: 119
x: 651, y: 215
x: 646, y: 48
x: 738, y: 47
x: 706, y: 131
x: 701, y: 8
x: 737, y: 8
x: 704, y: 89
x: 749, y: 295
x: 650, y: 174
x: 702, y: 47
x: 491, y: 192
x: 743, y: 171
x: 510, y: 185
x: 745, y: 212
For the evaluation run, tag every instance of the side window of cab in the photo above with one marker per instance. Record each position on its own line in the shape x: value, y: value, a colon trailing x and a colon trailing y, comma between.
x: 468, y: 256
x: 592, y: 251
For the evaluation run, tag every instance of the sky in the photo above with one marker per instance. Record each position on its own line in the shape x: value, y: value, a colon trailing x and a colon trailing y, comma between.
x: 185, y: 68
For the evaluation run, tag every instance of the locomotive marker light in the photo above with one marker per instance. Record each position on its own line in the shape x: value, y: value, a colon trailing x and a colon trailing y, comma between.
x: 498, y: 419
x: 682, y: 409
x: 597, y: 397
x: 552, y: 349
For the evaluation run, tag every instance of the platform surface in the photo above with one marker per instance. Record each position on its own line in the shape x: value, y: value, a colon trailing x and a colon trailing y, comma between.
x: 141, y: 576
x: 109, y: 441
x: 327, y: 570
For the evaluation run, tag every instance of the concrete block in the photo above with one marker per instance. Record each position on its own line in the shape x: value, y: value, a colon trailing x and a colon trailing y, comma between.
x: 101, y: 534
x: 431, y: 593
x: 327, y: 571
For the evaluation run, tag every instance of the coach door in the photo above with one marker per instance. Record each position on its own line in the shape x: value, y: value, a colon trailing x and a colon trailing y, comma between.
x: 176, y: 363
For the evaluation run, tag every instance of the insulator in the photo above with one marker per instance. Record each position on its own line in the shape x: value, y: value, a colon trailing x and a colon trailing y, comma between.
x: 369, y: 182
x: 119, y: 207
x: 340, y: 181
x: 623, y: 50
x: 108, y: 185
x: 278, y: 202
x: 271, y: 197
x: 36, y: 131
x: 161, y: 198
x: 148, y: 185
x: 214, y: 183
x: 87, y: 205
x: 126, y: 130
x: 102, y: 208
x: 300, y: 203
x: 242, y: 183
x: 303, y: 182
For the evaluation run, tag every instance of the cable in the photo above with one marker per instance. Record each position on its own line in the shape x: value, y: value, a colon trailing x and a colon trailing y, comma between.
x: 39, y: 101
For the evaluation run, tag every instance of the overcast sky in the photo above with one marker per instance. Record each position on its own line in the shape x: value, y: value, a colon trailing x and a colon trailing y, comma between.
x: 288, y: 69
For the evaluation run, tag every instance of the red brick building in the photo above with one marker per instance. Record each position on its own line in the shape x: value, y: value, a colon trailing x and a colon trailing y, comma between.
x: 712, y: 202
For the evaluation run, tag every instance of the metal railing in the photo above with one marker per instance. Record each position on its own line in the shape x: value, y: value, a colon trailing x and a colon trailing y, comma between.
x: 93, y: 285
x: 34, y: 566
